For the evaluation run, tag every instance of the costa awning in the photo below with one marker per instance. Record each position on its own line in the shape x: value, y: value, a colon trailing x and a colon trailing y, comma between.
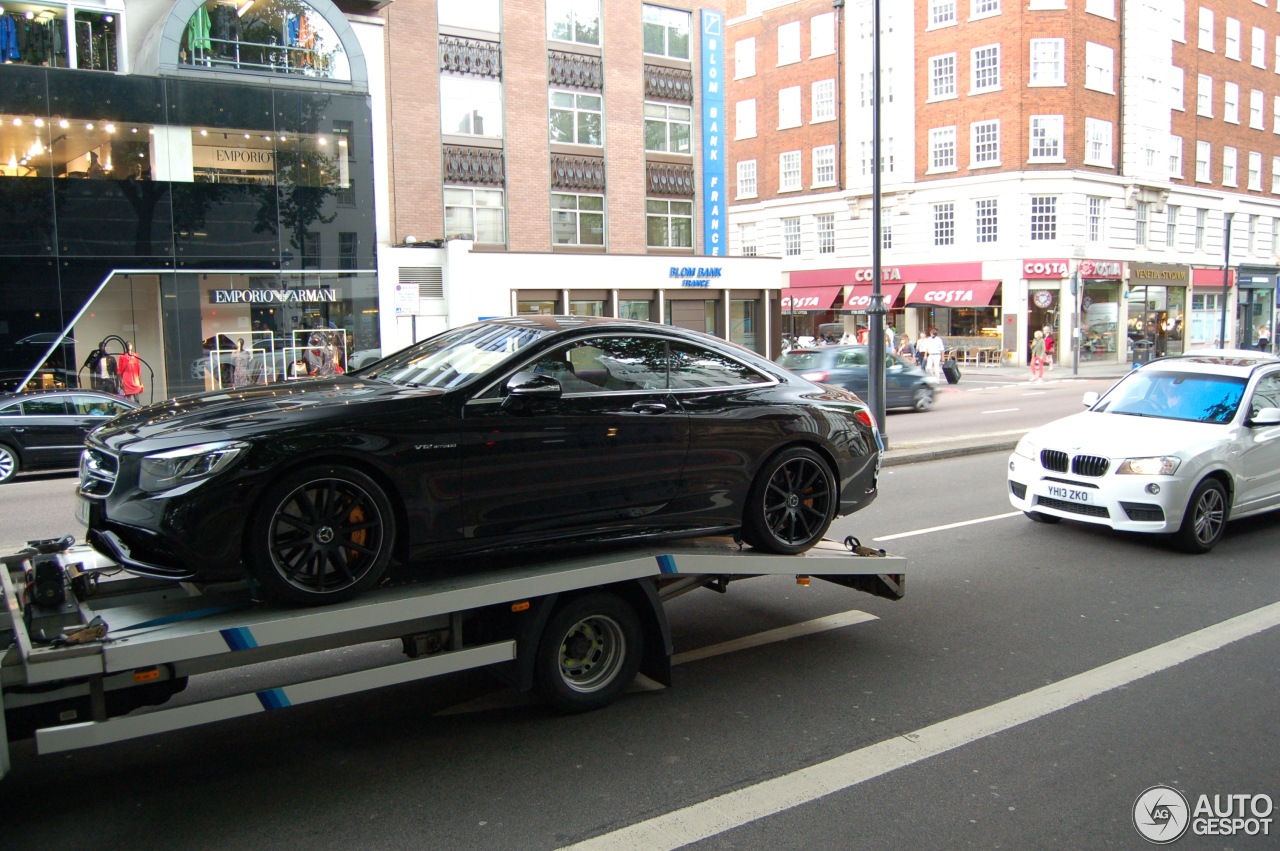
x: 953, y: 293
x: 860, y: 296
x: 810, y: 298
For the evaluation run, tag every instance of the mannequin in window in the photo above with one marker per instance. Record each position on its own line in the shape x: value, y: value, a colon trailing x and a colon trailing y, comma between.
x: 319, y: 357
x: 95, y: 168
x: 102, y: 369
x: 241, y: 361
x: 129, y: 366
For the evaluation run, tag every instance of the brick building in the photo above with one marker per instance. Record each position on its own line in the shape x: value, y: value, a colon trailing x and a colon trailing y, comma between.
x: 1023, y: 144
x: 556, y: 156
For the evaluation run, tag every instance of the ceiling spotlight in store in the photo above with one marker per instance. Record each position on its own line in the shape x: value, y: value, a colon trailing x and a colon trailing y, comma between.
x: 267, y: 138
x: 323, y: 141
x: 246, y: 135
x: 108, y: 18
x: 110, y: 128
x: 88, y: 127
x: 64, y: 124
x: 17, y: 122
x: 204, y: 132
x: 133, y: 129
x: 39, y: 122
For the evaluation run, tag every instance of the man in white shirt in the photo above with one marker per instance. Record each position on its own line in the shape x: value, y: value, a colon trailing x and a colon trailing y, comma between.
x: 933, y: 348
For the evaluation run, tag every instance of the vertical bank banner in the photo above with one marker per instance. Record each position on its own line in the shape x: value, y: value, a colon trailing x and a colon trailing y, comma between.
x: 715, y: 239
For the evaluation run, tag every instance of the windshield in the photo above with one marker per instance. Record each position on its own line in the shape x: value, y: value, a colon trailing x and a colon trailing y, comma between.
x: 455, y: 357
x: 1176, y: 396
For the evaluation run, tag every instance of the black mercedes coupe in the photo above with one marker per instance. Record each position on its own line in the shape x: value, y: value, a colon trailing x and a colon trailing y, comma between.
x: 508, y: 432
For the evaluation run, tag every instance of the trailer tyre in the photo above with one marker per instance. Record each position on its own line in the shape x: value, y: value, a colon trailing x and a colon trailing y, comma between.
x: 320, y: 535
x: 589, y: 652
x: 791, y: 504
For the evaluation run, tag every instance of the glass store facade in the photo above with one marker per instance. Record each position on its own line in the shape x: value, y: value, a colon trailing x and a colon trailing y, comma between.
x: 190, y: 217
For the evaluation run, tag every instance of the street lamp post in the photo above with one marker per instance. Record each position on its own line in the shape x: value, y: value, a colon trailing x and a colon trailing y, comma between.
x: 1226, y: 279
x: 876, y: 311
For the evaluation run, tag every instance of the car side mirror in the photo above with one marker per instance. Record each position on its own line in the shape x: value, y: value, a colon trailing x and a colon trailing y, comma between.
x: 529, y: 386
x: 1090, y: 399
x: 1266, y: 417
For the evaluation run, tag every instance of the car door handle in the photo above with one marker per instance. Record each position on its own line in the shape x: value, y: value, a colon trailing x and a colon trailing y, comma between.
x: 649, y: 407
x: 19, y: 429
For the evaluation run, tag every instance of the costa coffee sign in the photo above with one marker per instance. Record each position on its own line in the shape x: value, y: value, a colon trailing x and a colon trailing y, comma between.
x: 1042, y: 269
x: 802, y: 302
x: 1101, y: 269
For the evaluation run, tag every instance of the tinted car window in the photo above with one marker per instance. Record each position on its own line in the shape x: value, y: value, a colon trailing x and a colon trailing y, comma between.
x: 693, y: 366
x: 44, y: 407
x: 1176, y: 396
x: 96, y: 406
x: 11, y: 411
x: 607, y: 363
x: 455, y: 357
x: 1266, y: 395
x: 846, y: 360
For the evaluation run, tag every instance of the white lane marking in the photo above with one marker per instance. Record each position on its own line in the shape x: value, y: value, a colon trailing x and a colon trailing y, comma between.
x: 724, y: 813
x: 1000, y: 411
x: 1034, y: 393
x: 948, y: 526
x: 780, y: 634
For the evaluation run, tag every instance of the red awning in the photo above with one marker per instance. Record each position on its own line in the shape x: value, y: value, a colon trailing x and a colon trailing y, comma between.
x: 810, y: 298
x: 860, y: 296
x: 953, y: 293
x: 1209, y: 277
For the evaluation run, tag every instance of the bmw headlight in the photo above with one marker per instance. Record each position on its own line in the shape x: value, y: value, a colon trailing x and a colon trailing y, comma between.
x: 1165, y: 465
x: 1026, y: 448
x: 176, y: 467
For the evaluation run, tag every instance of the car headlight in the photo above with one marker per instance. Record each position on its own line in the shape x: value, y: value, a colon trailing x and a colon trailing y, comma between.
x: 1165, y: 465
x: 1025, y: 448
x: 166, y: 470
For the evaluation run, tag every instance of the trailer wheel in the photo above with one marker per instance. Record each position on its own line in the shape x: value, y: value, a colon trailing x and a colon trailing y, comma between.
x: 589, y: 652
x: 791, y: 504
x: 320, y: 535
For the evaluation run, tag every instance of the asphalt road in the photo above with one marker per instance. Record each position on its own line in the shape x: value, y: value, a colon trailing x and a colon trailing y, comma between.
x: 1034, y: 681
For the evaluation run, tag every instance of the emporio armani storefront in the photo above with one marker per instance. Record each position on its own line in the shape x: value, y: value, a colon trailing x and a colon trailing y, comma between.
x: 216, y: 211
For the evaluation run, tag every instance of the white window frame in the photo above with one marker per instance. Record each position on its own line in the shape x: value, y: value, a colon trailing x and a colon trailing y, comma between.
x: 824, y: 159
x: 986, y: 220
x: 825, y: 228
x: 668, y: 19
x: 670, y: 118
x: 1048, y: 62
x: 789, y: 179
x: 789, y: 108
x: 1231, y: 102
x: 744, y: 58
x: 822, y: 34
x: 1255, y: 171
x: 1141, y: 223
x: 944, y: 223
x: 1275, y: 114
x: 747, y: 243
x: 979, y: 9
x: 942, y: 77
x: 747, y: 186
x: 1202, y: 226
x: 1095, y: 219
x: 1204, y: 161
x: 1099, y: 142
x: 886, y: 228
x: 575, y: 110
x: 940, y: 140
x: 975, y: 129
x: 822, y: 101
x: 1231, y: 48
x: 1256, y: 109
x: 577, y: 212
x: 456, y: 89
x: 1101, y: 8
x: 1044, y: 218
x: 1204, y: 39
x: 473, y: 208
x: 791, y: 236
x: 1230, y: 166
x: 1178, y: 86
x: 942, y: 13
x: 1176, y: 149
x: 670, y: 216
x: 1204, y: 95
x: 1258, y: 48
x: 573, y: 7
x: 1045, y: 143
x: 1275, y: 175
x: 1099, y: 68
x: 789, y: 43
x: 977, y: 67
x: 1171, y: 213
x: 744, y: 119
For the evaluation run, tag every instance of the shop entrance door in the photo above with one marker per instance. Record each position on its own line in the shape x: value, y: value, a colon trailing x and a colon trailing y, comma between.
x: 1253, y: 317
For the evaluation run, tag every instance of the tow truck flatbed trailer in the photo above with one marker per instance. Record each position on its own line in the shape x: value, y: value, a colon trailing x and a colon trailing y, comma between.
x: 83, y: 644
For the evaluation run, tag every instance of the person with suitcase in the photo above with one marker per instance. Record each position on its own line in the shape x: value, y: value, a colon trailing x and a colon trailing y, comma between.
x: 933, y: 347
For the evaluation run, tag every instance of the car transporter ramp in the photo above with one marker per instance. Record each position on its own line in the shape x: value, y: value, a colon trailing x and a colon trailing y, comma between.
x: 83, y: 644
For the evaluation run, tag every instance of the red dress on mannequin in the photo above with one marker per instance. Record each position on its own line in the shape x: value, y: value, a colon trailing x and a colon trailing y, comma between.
x: 130, y: 367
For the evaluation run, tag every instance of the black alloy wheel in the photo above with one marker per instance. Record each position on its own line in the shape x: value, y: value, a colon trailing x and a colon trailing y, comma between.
x: 791, y: 504
x: 9, y: 464
x: 589, y: 652
x: 321, y: 536
x: 1205, y: 519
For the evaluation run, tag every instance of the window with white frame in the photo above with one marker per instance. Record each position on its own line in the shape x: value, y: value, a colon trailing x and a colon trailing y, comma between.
x: 789, y: 43
x: 1204, y: 151
x: 1275, y: 175
x: 824, y: 166
x: 1171, y: 213
x: 1098, y: 142
x: 886, y: 87
x: 665, y: 32
x: 747, y: 239
x: 744, y: 58
x: 984, y: 143
x: 577, y: 219
x: 1204, y: 95
x: 942, y: 13
x: 1175, y: 156
x: 789, y: 107
x: 1099, y: 68
x: 1255, y: 171
x: 986, y: 219
x: 1278, y: 54
x: 886, y: 156
x: 1252, y: 243
x: 1230, y: 161
x: 983, y: 8
x: 822, y: 34
x: 1177, y: 12
x: 1202, y: 224
x: 824, y: 100
x: 942, y: 76
x: 789, y: 171
x: 482, y: 15
x: 1047, y: 66
x: 667, y: 127
x: 669, y: 223
x: 1044, y: 218
x: 1258, y: 48
x: 1255, y: 109
x: 1046, y: 139
x: 1095, y: 218
x: 1232, y: 49
x: 1105, y: 8
x: 1275, y: 114
x: 1275, y: 236
x: 747, y: 179
x: 984, y: 66
x: 791, y: 236
x: 1177, y: 85
x: 576, y: 118
x: 744, y: 113
x: 942, y: 149
x: 574, y: 20
x: 475, y: 214
x: 1141, y: 222
x: 470, y: 106
x: 1205, y: 41
x: 1231, y: 103
x: 944, y: 223
x: 826, y: 232
x: 886, y: 228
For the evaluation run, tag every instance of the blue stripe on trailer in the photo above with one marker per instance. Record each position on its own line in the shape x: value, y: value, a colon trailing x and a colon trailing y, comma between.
x: 273, y: 699
x: 178, y: 618
x: 667, y: 564
x: 239, y: 638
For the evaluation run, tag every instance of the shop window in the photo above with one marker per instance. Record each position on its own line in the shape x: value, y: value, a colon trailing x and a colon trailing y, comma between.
x: 574, y: 20
x: 744, y: 324
x: 586, y: 308
x: 637, y: 310
x: 470, y: 14
x: 536, y: 308
x: 669, y: 223
x: 577, y: 219
x: 470, y: 107
x: 667, y: 128
x: 576, y: 118
x: 38, y: 34
x: 666, y: 32
x: 475, y: 214
x: 263, y: 37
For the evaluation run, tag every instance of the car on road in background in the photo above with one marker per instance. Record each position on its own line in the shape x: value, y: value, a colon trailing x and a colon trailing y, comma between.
x: 45, y: 430
x: 1178, y: 446
x: 906, y: 385
x: 505, y: 433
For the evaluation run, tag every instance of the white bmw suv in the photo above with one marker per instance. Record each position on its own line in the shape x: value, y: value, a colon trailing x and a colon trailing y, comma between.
x: 1178, y: 446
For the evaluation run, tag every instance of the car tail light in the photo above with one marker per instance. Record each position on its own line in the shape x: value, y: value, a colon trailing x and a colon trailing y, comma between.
x: 866, y: 419
x: 816, y: 376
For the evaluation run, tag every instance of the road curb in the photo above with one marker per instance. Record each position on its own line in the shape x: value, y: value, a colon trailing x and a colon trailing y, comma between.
x: 898, y: 457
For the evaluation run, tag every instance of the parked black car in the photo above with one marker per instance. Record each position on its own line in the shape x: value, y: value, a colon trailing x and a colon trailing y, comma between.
x: 507, y: 432
x: 906, y: 385
x: 43, y: 430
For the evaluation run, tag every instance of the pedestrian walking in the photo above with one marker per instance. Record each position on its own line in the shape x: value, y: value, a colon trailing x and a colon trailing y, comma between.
x: 933, y: 347
x: 1037, y: 358
x: 1048, y: 346
x: 1264, y: 339
x: 906, y: 350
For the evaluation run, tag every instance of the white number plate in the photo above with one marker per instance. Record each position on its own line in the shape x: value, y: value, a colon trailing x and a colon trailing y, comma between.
x: 82, y: 511
x: 1081, y: 495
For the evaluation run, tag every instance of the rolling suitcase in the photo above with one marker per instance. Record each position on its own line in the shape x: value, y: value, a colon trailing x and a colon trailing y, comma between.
x: 951, y: 370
